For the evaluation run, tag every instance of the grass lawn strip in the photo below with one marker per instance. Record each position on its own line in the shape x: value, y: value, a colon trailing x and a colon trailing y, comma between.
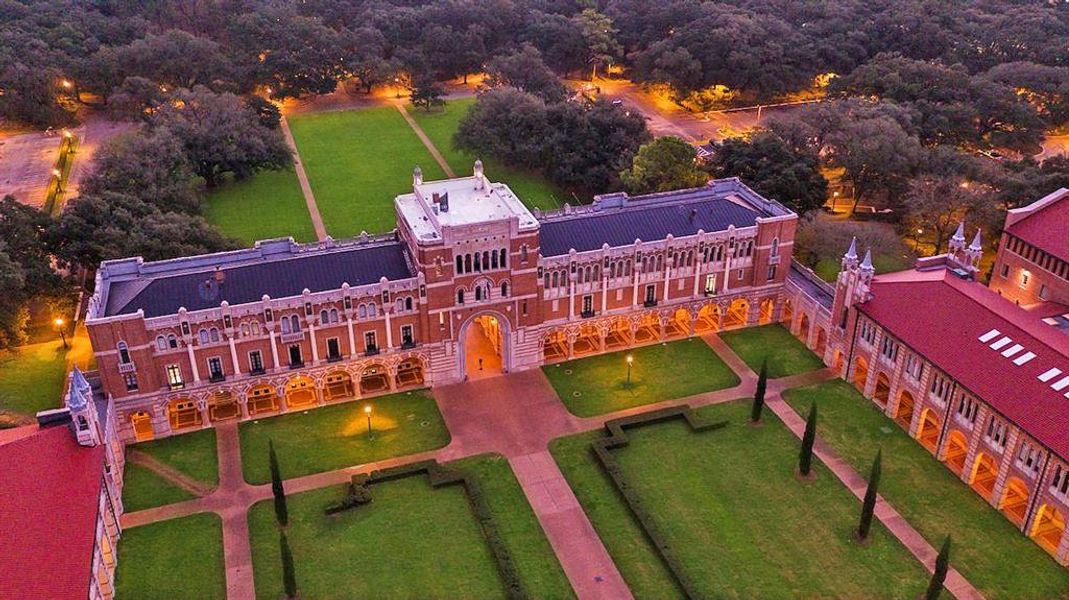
x: 31, y: 377
x: 738, y: 522
x: 265, y: 206
x: 786, y: 354
x: 411, y: 541
x: 179, y: 558
x: 357, y: 162
x: 144, y: 489
x: 988, y: 550
x: 193, y: 453
x: 335, y: 436
x: 597, y: 385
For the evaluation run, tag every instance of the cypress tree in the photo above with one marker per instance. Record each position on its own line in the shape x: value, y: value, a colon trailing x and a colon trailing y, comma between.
x: 868, y: 507
x: 289, y: 576
x: 805, y: 457
x: 759, y: 395
x: 281, y: 511
x: 942, y: 564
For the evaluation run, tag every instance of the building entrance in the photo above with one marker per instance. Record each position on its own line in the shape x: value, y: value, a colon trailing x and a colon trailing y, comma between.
x: 484, y: 347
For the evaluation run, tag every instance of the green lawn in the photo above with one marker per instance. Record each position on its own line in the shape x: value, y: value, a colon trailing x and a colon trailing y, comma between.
x: 601, y: 381
x: 411, y: 541
x: 181, y: 558
x: 786, y: 355
x: 534, y: 558
x: 357, y: 162
x: 440, y: 124
x: 31, y: 378
x: 144, y: 489
x: 988, y: 550
x: 731, y: 509
x: 828, y: 268
x: 267, y: 205
x: 333, y: 437
x: 191, y: 453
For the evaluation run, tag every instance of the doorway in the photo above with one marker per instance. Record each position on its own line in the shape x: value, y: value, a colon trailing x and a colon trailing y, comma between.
x: 484, y: 347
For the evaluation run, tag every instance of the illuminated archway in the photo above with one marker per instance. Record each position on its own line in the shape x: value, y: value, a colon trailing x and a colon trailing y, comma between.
x: 619, y: 334
x: 822, y: 342
x: 803, y: 328
x: 141, y: 423
x: 410, y: 373
x: 679, y: 324
x: 984, y: 475
x: 928, y: 432
x: 1014, y: 502
x: 300, y: 392
x: 1048, y: 528
x: 374, y: 378
x: 861, y: 373
x: 883, y: 389
x: 223, y: 406
x: 957, y: 449
x: 738, y: 314
x: 708, y: 319
x: 555, y: 346
x: 484, y: 348
x: 904, y: 411
x: 183, y: 414
x: 788, y: 312
x: 338, y: 385
x: 262, y: 398
x: 765, y: 311
x: 587, y: 342
x: 649, y: 329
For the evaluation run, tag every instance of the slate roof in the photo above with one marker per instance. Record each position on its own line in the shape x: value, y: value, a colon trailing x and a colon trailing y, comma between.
x: 621, y: 226
x: 244, y: 283
x: 1047, y: 228
x: 49, y: 500
x: 954, y: 315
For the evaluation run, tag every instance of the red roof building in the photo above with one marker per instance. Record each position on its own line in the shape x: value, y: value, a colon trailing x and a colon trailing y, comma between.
x: 1033, y: 259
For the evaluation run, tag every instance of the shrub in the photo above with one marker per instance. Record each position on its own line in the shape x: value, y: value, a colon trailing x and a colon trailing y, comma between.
x: 281, y: 510
x: 805, y: 457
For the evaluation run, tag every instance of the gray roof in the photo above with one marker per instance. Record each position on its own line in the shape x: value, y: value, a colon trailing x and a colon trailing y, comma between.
x: 813, y: 287
x: 245, y: 283
x: 621, y: 226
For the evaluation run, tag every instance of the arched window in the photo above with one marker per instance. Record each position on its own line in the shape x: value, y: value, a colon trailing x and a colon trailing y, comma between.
x: 612, y: 270
x: 493, y: 260
x: 460, y: 264
x: 244, y: 330
x: 460, y: 296
x: 690, y: 258
x: 478, y: 293
x: 660, y: 263
x: 597, y: 272
x: 627, y: 268
x: 556, y: 280
x: 467, y: 263
x: 486, y: 260
x: 361, y: 311
x: 523, y: 254
x: 478, y: 263
x: 203, y: 335
x: 408, y: 303
x: 172, y: 341
x: 295, y: 324
x: 644, y: 264
x: 285, y: 325
x: 486, y: 293
x: 161, y: 342
x: 324, y: 316
x: 504, y: 254
x: 124, y: 353
x: 775, y: 247
x: 588, y: 279
x: 545, y: 283
x: 213, y: 333
x: 579, y: 276
x: 254, y: 327
x: 399, y: 305
x: 372, y: 310
x: 333, y: 315
x: 505, y: 289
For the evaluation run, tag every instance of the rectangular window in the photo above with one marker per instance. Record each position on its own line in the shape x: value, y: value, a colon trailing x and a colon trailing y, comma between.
x: 651, y: 294
x: 131, y: 381
x: 588, y: 305
x: 406, y: 336
x: 174, y: 377
x: 215, y: 368
x: 1025, y: 275
x: 369, y: 342
x: 1043, y: 292
x: 333, y: 349
x: 296, y: 360
x: 256, y: 362
x: 1005, y: 271
x: 710, y: 283
x: 738, y: 274
x: 524, y: 308
x: 771, y: 272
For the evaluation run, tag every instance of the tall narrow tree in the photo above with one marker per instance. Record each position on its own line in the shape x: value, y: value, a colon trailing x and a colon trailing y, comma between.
x: 281, y: 511
x: 868, y: 506
x: 289, y: 576
x: 759, y: 394
x: 805, y: 457
x: 942, y: 564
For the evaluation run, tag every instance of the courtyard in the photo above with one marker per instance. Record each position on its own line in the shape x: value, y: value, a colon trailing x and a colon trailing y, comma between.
x: 265, y: 206
x: 170, y: 470
x: 180, y: 558
x: 786, y: 355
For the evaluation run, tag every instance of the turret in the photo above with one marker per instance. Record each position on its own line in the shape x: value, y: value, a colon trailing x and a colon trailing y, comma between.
x: 975, y: 252
x: 850, y: 258
x: 417, y: 176
x: 480, y: 179
x: 83, y: 409
x: 957, y: 242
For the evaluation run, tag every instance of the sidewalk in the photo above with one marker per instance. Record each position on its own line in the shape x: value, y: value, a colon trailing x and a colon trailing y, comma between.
x: 302, y: 178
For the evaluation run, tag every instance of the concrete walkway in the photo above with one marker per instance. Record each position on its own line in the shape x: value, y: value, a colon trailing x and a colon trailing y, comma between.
x: 426, y: 140
x: 302, y: 178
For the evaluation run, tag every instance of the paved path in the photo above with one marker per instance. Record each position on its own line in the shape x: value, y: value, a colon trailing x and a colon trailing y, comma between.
x: 302, y: 177
x: 426, y: 140
x: 166, y: 471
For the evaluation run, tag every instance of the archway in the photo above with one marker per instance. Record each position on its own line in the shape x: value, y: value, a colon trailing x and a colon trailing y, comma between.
x: 957, y: 449
x: 183, y: 414
x: 904, y: 411
x: 883, y: 389
x: 837, y: 361
x: 738, y: 314
x: 822, y: 342
x: 619, y: 334
x: 928, y: 432
x: 861, y: 373
x: 803, y: 328
x: 141, y: 423
x: 555, y: 346
x: 1048, y: 528
x: 649, y: 329
x: 410, y: 373
x: 262, y: 399
x: 300, y: 392
x: 338, y: 385
x: 984, y: 475
x: 679, y: 324
x: 765, y: 311
x: 374, y: 378
x: 788, y: 312
x: 587, y: 342
x: 1014, y: 503
x: 708, y: 319
x: 484, y: 346
x: 223, y: 406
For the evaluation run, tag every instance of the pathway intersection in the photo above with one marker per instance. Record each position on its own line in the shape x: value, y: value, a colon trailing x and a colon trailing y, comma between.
x: 520, y: 428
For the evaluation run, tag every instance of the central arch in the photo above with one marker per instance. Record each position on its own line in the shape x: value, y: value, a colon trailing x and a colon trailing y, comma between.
x: 484, y: 346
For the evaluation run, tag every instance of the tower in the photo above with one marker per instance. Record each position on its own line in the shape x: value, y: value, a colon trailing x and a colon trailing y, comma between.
x: 956, y: 249
x: 974, y: 253
x: 83, y: 409
x: 850, y: 279
x: 417, y: 176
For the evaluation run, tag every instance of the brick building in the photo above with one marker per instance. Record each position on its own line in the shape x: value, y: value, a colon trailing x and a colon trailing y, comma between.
x: 1033, y: 255
x: 470, y: 284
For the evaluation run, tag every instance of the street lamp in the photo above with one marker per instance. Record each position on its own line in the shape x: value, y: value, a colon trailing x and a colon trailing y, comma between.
x: 834, y: 198
x: 62, y: 334
x: 630, y: 361
x: 367, y: 411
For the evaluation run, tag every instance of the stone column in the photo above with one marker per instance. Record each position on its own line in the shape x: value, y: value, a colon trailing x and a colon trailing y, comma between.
x: 312, y: 340
x: 391, y: 377
x: 161, y: 424
x: 274, y: 350
x: 243, y: 404
x: 320, y: 396
x: 233, y: 354
x: 281, y: 394
x: 205, y: 417
x: 193, y: 363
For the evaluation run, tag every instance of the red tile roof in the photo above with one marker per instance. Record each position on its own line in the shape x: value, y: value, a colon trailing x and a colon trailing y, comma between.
x: 942, y: 318
x: 49, y: 496
x: 1047, y: 228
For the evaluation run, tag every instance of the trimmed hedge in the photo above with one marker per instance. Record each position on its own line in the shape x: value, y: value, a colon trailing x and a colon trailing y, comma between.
x: 439, y: 476
x: 617, y: 438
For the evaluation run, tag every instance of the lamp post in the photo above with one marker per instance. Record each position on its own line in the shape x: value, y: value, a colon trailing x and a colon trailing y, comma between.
x: 834, y: 199
x: 367, y: 411
x: 630, y: 361
x: 62, y: 334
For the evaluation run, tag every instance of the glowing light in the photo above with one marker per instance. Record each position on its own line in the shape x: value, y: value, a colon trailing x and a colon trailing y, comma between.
x: 66, y: 83
x: 58, y: 322
x: 56, y: 173
x: 367, y: 409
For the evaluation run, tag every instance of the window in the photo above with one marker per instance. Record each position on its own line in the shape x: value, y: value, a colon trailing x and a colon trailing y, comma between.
x: 739, y: 274
x: 775, y: 248
x: 460, y: 265
x: 213, y: 333
x: 1005, y: 272
x: 1028, y: 458
x: 1060, y: 484
x: 868, y: 332
x: 124, y: 353
x: 399, y: 306
x: 295, y: 324
x: 523, y: 253
x: 588, y: 305
x: 333, y: 349
x: 296, y: 360
x: 939, y: 388
x: 771, y: 272
x: 245, y: 331
x: 914, y: 366
x: 478, y: 293
x: 524, y: 308
x: 215, y: 369
x: 256, y: 362
x: 505, y: 289
x: 203, y: 336
x: 174, y: 377
x: 651, y: 294
x: 131, y: 381
x: 996, y: 432
x: 408, y: 303
x: 1025, y: 276
x: 710, y: 283
x: 161, y: 343
x: 406, y: 335
x: 369, y: 342
x: 889, y: 349
x: 967, y: 408
x: 324, y: 317
x: 361, y: 311
x: 1043, y: 292
x: 460, y: 296
x: 372, y: 310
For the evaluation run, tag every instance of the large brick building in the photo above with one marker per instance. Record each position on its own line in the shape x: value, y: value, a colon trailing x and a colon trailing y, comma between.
x: 471, y: 283
x: 975, y: 376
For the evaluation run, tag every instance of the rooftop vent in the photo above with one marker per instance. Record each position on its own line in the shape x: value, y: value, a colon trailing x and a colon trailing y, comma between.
x: 1001, y: 343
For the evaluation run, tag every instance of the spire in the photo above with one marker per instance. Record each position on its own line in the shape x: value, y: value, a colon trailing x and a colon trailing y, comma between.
x: 480, y: 179
x: 977, y: 242
x: 959, y: 235
x: 867, y: 263
x: 852, y: 252
x: 417, y: 176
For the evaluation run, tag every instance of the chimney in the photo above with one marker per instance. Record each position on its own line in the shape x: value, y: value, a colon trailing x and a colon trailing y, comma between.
x: 480, y: 179
x: 444, y: 199
x: 436, y: 198
x: 693, y: 214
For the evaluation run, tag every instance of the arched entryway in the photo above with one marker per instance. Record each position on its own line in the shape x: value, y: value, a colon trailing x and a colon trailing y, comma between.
x: 822, y: 342
x: 1048, y: 528
x: 183, y: 414
x: 649, y: 329
x: 883, y: 389
x: 619, y: 334
x: 788, y: 311
x: 679, y: 324
x: 223, y: 406
x: 957, y: 449
x: 262, y: 398
x: 984, y: 475
x: 928, y: 432
x: 485, y: 346
x: 410, y: 372
x: 904, y: 411
x: 767, y: 308
x: 141, y: 423
x: 861, y: 373
x: 803, y: 328
x: 1014, y: 502
x: 738, y: 314
x: 300, y: 392
x: 338, y: 385
x: 374, y: 378
x: 708, y: 319
x: 587, y: 342
x: 555, y: 346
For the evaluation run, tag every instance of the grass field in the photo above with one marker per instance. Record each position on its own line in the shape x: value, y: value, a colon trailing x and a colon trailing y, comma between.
x: 440, y: 124
x: 740, y: 523
x: 601, y: 381
x: 357, y: 162
x: 411, y: 541
x: 194, y: 454
x: 31, y: 377
x: 180, y: 558
x: 786, y: 355
x: 333, y: 437
x: 988, y: 550
x: 267, y: 205
x: 828, y: 269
